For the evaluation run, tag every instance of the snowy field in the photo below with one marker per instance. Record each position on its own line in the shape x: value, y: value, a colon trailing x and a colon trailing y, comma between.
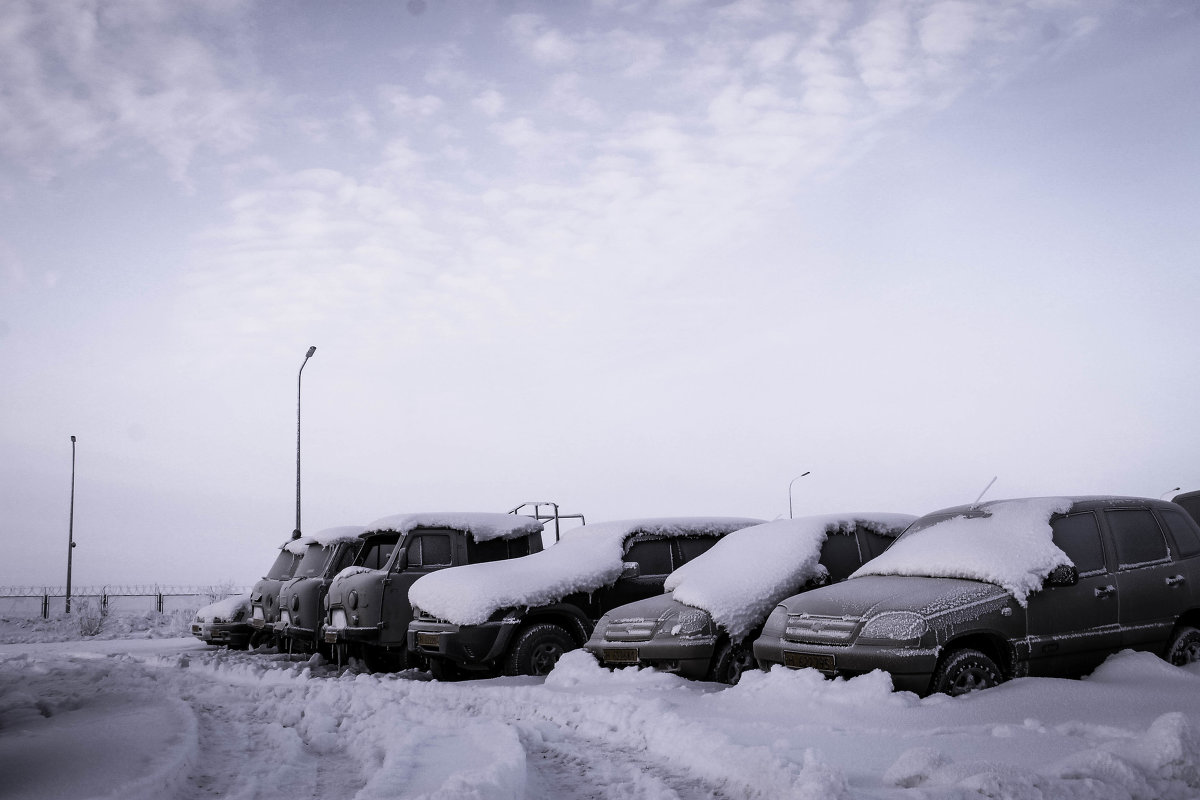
x: 149, y: 713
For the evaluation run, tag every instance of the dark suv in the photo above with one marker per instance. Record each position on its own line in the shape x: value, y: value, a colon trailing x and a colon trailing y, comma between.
x: 975, y: 595
x: 367, y: 608
x: 520, y: 616
x: 716, y: 605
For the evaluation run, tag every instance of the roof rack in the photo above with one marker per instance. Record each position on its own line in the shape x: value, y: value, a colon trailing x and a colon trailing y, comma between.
x: 544, y: 511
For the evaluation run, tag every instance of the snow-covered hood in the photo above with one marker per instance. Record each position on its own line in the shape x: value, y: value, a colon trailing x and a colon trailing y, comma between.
x: 873, y: 595
x: 1005, y: 542
x: 585, y: 560
x: 226, y: 610
x: 650, y: 608
x: 748, y: 572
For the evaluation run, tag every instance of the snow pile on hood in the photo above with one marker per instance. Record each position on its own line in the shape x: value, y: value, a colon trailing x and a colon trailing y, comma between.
x: 749, y: 572
x: 588, y: 558
x: 325, y: 538
x: 225, y: 610
x: 482, y: 525
x: 1006, y: 542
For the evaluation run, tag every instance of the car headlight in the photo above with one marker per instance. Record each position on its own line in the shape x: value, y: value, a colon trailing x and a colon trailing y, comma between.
x: 352, y: 599
x: 295, y: 602
x: 684, y: 622
x: 895, y: 626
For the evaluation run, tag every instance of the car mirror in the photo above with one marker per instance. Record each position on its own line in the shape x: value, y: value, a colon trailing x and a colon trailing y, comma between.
x: 1063, y: 575
x: 630, y: 569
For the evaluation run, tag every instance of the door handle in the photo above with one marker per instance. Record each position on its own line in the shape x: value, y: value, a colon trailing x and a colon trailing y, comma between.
x: 1175, y: 579
x: 1105, y: 591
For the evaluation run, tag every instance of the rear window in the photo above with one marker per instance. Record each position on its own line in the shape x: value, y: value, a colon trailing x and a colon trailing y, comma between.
x: 1183, y: 531
x: 1136, y: 537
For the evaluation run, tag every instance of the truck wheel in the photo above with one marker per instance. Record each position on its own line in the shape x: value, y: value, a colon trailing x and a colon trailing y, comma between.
x: 379, y: 659
x: 1184, y: 647
x: 537, y: 649
x: 966, y: 670
x: 732, y: 659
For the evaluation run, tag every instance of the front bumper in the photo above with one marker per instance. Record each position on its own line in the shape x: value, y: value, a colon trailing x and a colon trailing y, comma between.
x: 231, y: 634
x: 690, y: 658
x: 911, y: 668
x: 349, y: 635
x: 468, y: 646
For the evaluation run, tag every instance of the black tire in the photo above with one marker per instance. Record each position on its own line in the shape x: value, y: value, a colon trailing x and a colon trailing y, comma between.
x: 259, y: 638
x: 1184, y: 647
x: 730, y: 662
x: 537, y: 649
x: 965, y: 670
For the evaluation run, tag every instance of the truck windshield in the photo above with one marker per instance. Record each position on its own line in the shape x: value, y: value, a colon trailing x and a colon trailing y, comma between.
x: 313, y: 562
x: 377, y: 550
x: 281, y: 570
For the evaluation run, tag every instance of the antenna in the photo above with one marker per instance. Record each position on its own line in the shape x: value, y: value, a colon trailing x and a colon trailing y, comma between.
x: 981, y: 494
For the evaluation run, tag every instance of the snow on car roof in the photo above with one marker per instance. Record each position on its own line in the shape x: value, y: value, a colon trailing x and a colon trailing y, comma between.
x: 325, y: 538
x: 482, y: 525
x: 1005, y: 542
x: 586, y: 559
x: 749, y: 572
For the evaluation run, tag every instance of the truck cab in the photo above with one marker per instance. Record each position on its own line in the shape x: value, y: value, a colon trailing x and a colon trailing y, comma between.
x: 264, y: 597
x: 301, y: 599
x: 367, y: 607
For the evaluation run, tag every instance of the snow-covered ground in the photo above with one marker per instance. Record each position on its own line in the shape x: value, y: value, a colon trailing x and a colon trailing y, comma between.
x: 145, y: 715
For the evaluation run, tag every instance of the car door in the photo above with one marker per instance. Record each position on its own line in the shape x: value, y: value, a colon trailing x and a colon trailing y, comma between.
x: 1071, y: 629
x: 1152, y: 589
x: 423, y: 552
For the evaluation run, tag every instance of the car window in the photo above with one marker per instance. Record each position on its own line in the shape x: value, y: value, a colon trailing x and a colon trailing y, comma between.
x: 429, y: 550
x: 282, y: 568
x: 1078, y: 535
x: 1183, y: 531
x: 344, y: 560
x: 312, y: 563
x: 840, y: 555
x: 376, y: 554
x: 490, y: 550
x: 654, y: 557
x: 1136, y: 537
x: 690, y: 547
x: 876, y: 544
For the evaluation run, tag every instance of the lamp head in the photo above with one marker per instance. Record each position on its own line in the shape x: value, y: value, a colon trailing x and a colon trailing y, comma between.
x: 311, y: 350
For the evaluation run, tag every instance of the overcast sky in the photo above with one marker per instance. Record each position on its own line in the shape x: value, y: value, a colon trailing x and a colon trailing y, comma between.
x: 635, y: 258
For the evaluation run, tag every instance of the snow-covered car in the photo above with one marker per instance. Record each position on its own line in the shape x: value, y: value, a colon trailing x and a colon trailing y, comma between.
x: 264, y: 597
x: 367, y: 609
x: 518, y: 617
x: 716, y: 604
x: 301, y: 599
x: 225, y: 622
x: 972, y: 596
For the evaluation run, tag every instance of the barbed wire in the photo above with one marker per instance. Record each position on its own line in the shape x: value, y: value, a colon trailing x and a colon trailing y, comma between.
x: 115, y: 590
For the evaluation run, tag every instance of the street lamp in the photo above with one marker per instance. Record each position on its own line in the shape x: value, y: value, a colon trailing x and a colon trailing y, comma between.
x: 1163, y: 496
x: 71, y: 526
x: 307, y: 356
x: 790, y: 485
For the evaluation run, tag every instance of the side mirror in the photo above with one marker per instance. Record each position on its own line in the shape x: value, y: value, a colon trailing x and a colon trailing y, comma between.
x: 630, y: 569
x: 1064, y: 575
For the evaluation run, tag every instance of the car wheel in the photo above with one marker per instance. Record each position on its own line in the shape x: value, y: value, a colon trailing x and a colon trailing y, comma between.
x: 966, y: 670
x: 731, y: 661
x: 1184, y: 647
x: 378, y: 659
x: 537, y: 649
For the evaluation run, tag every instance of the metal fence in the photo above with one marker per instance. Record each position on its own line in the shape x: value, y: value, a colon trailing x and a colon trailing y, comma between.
x: 47, y: 601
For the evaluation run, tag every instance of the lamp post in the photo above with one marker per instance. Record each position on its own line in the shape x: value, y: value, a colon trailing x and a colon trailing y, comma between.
x: 71, y: 526
x: 307, y: 356
x: 1163, y: 496
x: 790, y: 485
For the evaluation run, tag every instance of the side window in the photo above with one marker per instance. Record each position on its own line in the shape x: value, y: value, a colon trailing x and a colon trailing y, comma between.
x: 1078, y: 535
x: 1183, y: 531
x: 429, y: 550
x: 840, y: 556
x: 875, y: 543
x: 491, y: 550
x: 690, y: 547
x: 653, y: 556
x: 1136, y: 537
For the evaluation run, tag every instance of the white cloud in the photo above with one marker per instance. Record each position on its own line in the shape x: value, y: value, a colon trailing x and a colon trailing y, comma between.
x: 78, y: 79
x: 405, y: 104
x: 532, y: 34
x: 489, y: 102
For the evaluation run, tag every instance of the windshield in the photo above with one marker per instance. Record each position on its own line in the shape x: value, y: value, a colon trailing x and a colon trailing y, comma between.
x: 377, y: 550
x: 281, y: 570
x: 313, y: 562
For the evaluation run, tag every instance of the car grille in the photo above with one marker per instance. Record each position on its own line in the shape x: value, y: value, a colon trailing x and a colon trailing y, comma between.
x: 820, y: 629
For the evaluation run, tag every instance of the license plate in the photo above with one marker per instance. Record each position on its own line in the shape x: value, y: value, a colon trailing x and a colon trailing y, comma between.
x: 821, y: 661
x: 620, y: 655
x: 425, y: 639
x: 331, y: 636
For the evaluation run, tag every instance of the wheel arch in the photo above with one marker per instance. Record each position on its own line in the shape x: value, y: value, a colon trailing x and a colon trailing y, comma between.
x: 991, y: 644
